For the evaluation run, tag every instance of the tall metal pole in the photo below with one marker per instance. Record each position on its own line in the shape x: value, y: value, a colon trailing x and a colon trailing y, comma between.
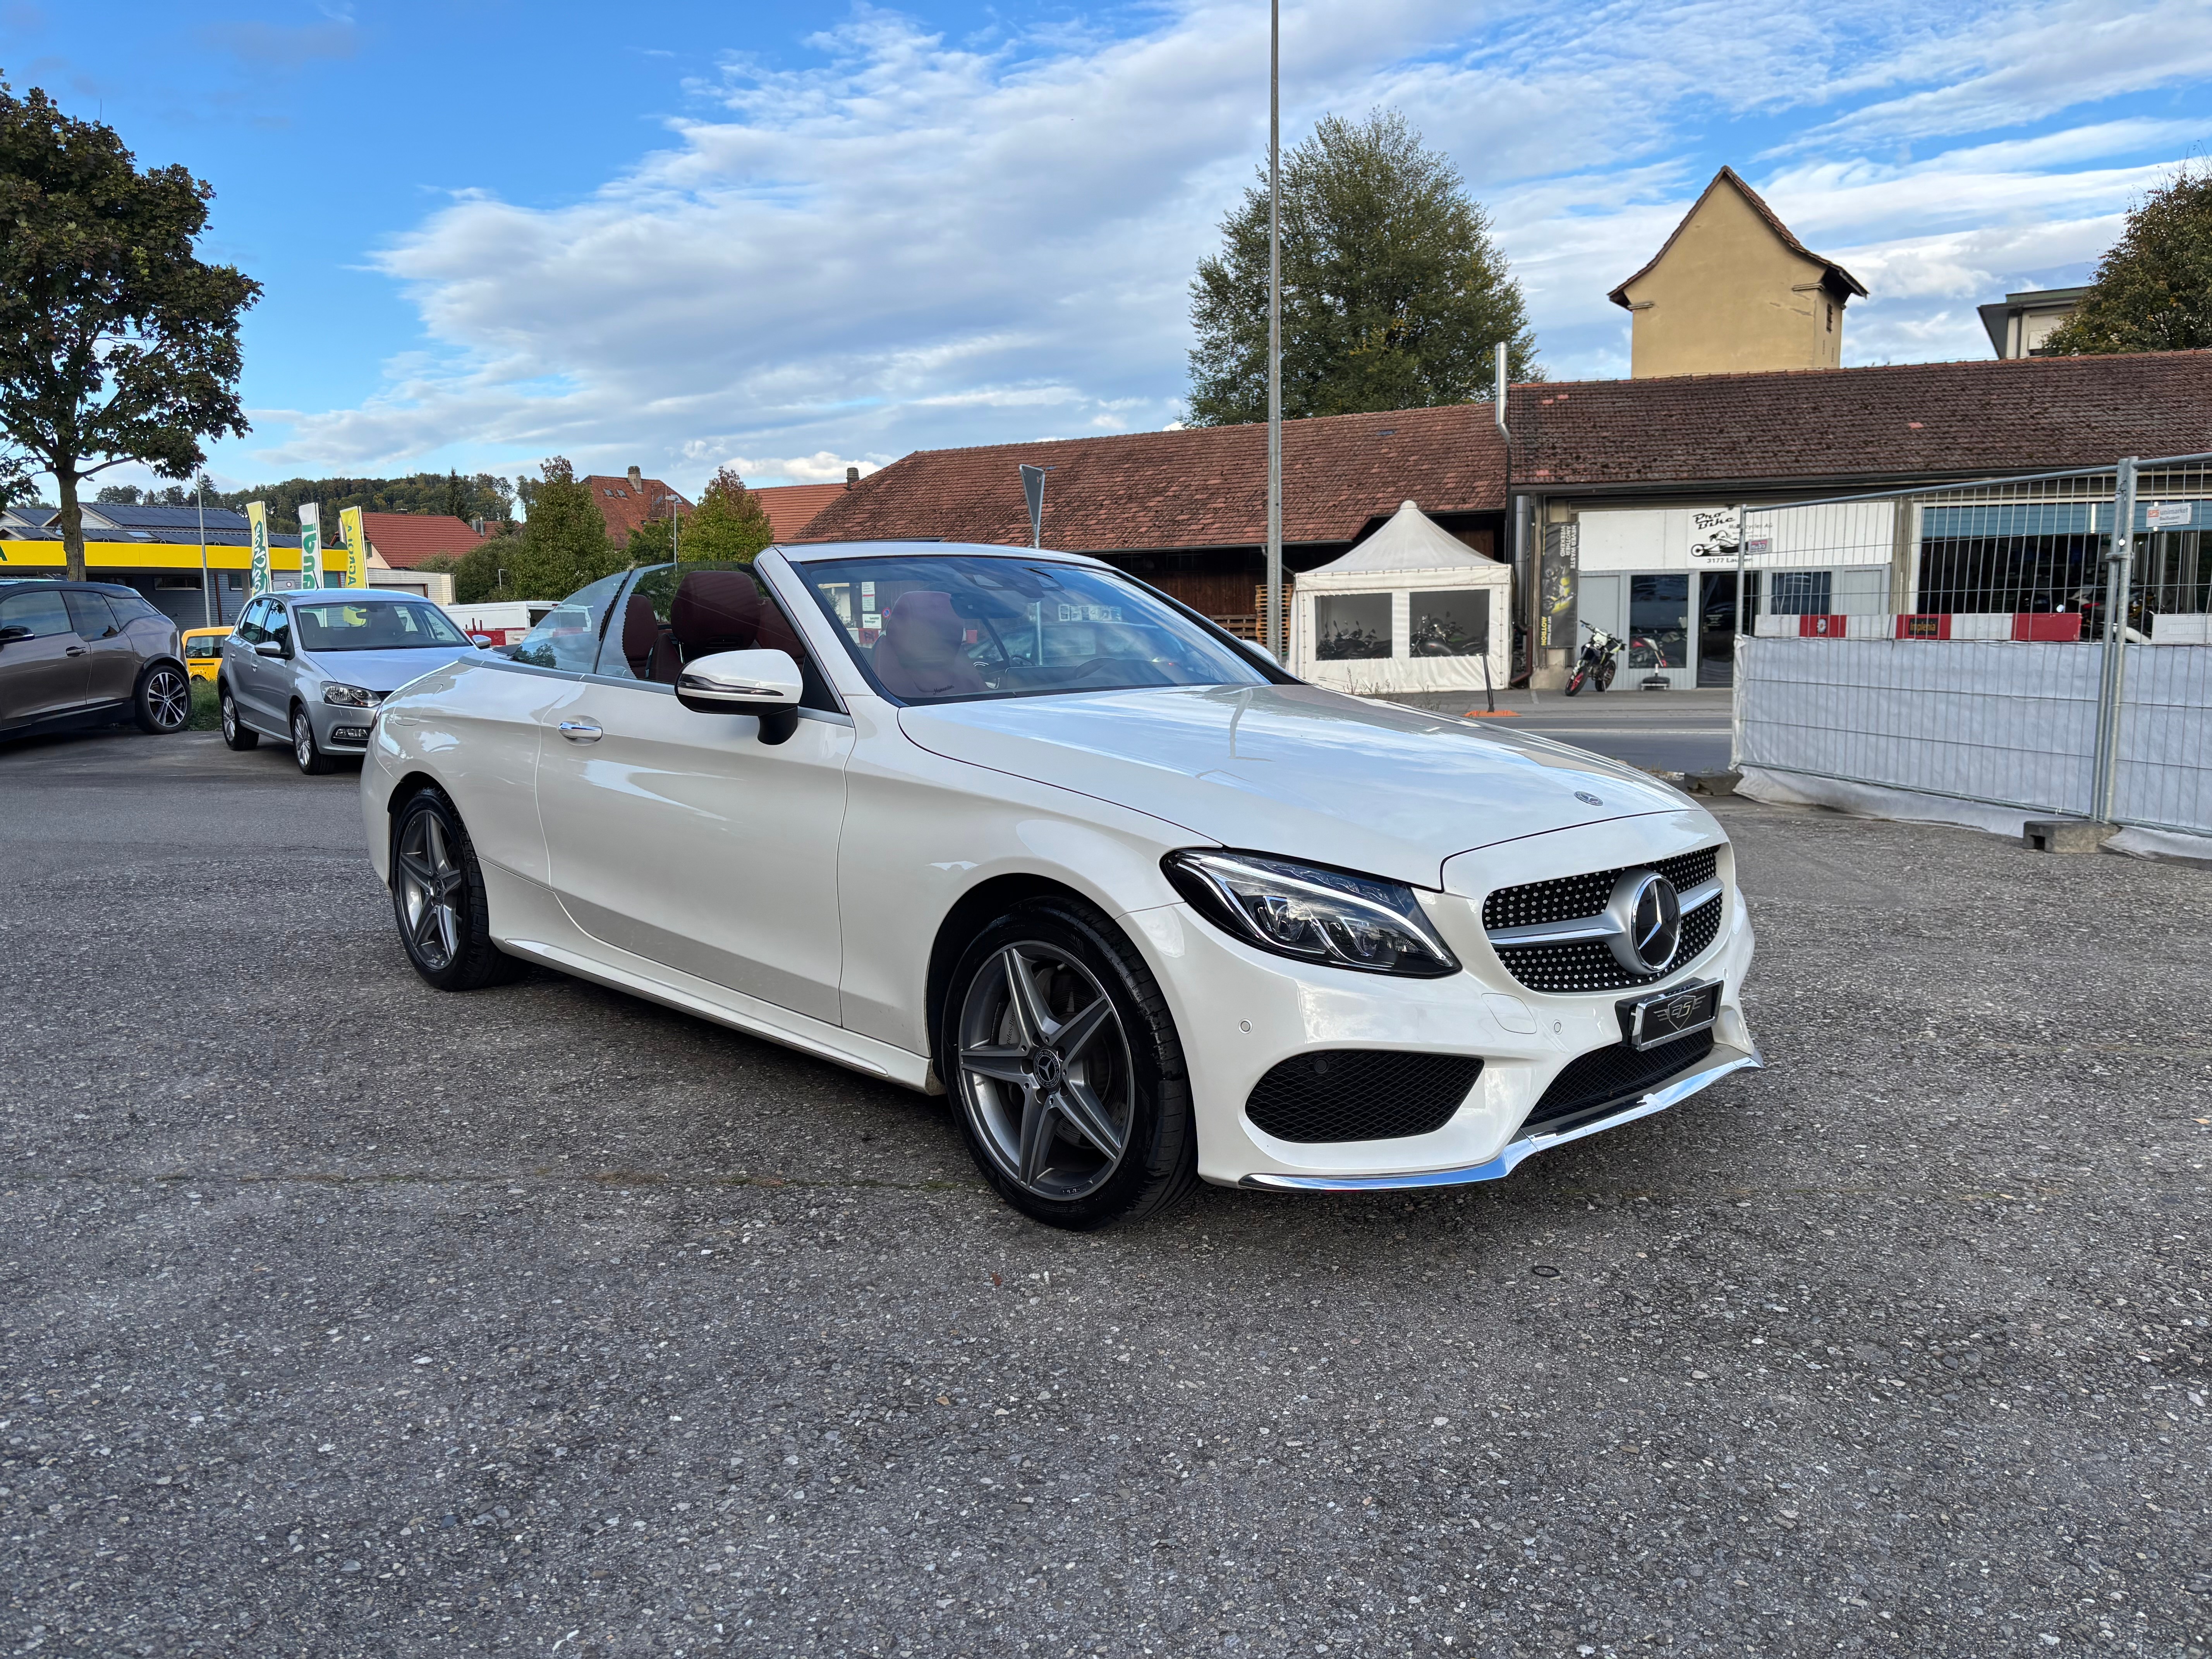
x: 1272, y: 623
x: 2104, y: 787
x: 207, y: 593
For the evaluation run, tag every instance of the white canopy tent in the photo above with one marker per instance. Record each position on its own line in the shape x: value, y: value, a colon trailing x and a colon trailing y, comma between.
x: 1412, y: 608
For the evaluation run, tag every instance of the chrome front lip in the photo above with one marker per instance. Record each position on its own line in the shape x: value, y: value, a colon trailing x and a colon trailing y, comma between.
x: 1658, y: 1100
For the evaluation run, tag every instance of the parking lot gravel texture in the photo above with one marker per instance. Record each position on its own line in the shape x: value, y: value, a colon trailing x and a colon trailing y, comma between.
x: 341, y: 1317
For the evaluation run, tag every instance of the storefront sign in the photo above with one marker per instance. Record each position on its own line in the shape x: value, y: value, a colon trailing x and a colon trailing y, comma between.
x: 1714, y: 532
x: 259, y: 581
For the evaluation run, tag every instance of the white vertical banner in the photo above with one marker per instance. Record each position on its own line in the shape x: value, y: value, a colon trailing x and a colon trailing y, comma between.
x: 257, y: 579
x: 311, y: 545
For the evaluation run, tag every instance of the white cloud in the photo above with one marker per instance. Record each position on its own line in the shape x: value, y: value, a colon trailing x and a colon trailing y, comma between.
x: 909, y: 242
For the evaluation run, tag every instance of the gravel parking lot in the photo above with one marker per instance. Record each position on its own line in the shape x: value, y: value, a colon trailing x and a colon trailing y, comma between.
x: 341, y: 1317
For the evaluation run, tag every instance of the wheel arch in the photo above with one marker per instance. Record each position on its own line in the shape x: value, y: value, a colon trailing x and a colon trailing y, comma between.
x: 975, y: 911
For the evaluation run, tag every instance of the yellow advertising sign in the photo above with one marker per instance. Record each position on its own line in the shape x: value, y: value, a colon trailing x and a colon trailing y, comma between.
x: 350, y: 562
x: 257, y: 518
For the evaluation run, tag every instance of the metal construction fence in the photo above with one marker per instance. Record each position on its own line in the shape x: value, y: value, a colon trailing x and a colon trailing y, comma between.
x: 2037, y: 643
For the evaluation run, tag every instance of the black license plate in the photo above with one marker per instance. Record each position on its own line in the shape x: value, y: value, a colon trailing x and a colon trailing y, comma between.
x: 1647, y: 1022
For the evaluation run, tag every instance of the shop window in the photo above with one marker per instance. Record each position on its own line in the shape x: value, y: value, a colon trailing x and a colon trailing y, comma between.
x: 1351, y: 627
x: 1454, y: 622
x: 1659, y: 622
x: 1803, y: 592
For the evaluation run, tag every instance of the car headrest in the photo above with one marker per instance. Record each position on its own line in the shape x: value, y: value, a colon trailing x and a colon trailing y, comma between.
x: 924, y: 628
x: 640, y: 634
x: 715, y: 610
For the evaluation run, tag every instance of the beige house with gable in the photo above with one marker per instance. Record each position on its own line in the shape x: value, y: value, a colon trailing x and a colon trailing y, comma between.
x: 1733, y: 292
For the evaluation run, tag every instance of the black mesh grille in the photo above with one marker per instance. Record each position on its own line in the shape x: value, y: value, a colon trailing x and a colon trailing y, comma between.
x: 1589, y: 964
x: 1360, y: 1094
x: 1607, y: 1077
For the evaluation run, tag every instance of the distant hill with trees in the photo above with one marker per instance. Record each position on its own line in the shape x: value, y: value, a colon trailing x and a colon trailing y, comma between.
x: 478, y: 496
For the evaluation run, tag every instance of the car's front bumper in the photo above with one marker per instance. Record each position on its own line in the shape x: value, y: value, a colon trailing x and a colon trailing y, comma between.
x: 1241, y: 1011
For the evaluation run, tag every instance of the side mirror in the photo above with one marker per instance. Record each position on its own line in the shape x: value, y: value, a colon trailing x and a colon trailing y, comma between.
x: 763, y: 683
x: 269, y: 649
x: 13, y: 632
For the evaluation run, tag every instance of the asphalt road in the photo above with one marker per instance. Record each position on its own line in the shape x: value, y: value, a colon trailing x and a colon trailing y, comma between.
x: 344, y: 1318
x: 1663, y: 731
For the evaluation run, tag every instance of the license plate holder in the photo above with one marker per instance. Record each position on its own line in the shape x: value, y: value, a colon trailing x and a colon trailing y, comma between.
x: 1666, y: 1015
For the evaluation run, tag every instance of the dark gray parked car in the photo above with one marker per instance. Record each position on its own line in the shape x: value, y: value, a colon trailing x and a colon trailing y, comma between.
x: 87, y: 654
x: 309, y: 667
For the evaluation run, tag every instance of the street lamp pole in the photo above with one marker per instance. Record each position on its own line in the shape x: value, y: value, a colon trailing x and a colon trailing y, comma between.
x: 1272, y: 623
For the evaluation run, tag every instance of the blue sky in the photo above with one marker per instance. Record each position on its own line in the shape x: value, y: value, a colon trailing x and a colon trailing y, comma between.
x: 794, y: 237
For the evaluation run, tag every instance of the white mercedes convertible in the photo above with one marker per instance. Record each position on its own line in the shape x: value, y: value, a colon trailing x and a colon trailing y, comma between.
x: 1013, y: 826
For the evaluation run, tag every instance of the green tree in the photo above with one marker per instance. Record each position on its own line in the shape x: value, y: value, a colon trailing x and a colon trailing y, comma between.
x: 2153, y: 286
x: 481, y: 574
x: 1393, y: 295
x: 564, y: 541
x: 117, y: 342
x: 728, y: 526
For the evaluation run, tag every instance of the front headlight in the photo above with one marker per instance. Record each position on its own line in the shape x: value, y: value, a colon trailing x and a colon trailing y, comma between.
x: 1310, y: 913
x: 351, y: 696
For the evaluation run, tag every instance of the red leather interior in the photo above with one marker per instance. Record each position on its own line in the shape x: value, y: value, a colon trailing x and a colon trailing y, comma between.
x: 646, y: 645
x: 715, y: 610
x: 920, y: 653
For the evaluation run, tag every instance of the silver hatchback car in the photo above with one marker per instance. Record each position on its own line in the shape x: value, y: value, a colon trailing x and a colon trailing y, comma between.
x: 310, y: 667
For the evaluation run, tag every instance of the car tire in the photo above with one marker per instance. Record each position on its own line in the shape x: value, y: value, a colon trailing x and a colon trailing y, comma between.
x: 1075, y: 1101
x: 305, y: 750
x: 236, y: 734
x: 439, y: 898
x: 163, y: 701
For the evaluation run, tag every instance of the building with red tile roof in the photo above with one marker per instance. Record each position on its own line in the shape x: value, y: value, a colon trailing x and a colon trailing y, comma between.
x: 404, y: 540
x: 791, y: 508
x: 633, y: 500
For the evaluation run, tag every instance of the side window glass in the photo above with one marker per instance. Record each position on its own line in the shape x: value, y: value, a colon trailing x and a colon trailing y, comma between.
x: 43, y: 613
x: 90, y: 616
x: 568, y: 635
x: 670, y: 619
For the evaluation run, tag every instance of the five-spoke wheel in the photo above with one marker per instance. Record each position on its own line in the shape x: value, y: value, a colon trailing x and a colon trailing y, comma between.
x: 1065, y: 1065
x: 439, y: 900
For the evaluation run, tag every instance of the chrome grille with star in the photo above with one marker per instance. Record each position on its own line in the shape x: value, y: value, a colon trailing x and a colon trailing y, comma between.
x: 1608, y: 929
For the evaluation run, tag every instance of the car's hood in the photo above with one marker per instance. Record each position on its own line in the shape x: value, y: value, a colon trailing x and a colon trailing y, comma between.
x: 1297, y: 770
x: 386, y: 670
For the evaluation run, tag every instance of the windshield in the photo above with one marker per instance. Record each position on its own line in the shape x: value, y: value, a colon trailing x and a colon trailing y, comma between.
x: 945, y: 628
x: 385, y: 625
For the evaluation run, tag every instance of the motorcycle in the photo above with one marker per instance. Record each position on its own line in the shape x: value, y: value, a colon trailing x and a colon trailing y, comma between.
x: 1597, y: 663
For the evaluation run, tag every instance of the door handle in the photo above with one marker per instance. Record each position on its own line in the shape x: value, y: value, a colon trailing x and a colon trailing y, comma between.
x: 581, y: 731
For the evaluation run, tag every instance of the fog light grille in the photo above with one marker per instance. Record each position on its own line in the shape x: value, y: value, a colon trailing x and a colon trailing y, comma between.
x: 1361, y: 1094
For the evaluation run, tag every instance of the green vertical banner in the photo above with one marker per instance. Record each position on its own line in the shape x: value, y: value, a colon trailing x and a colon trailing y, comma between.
x: 259, y: 581
x: 311, y: 545
x: 354, y: 536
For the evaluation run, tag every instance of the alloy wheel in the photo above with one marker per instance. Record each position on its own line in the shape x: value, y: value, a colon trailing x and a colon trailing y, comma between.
x: 168, y: 698
x: 431, y: 885
x: 1044, y: 1071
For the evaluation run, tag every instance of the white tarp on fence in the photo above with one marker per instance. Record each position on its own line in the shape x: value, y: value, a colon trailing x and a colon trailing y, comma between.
x: 2014, y: 725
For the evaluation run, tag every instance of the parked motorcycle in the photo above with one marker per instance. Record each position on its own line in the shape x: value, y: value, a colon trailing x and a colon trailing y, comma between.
x: 1597, y: 663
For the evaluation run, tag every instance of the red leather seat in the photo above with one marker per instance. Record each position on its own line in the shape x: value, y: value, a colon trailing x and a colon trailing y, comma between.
x: 646, y: 643
x: 715, y: 610
x: 921, y: 654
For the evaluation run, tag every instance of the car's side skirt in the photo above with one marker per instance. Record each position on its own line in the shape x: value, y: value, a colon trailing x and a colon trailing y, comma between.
x: 1657, y: 1100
